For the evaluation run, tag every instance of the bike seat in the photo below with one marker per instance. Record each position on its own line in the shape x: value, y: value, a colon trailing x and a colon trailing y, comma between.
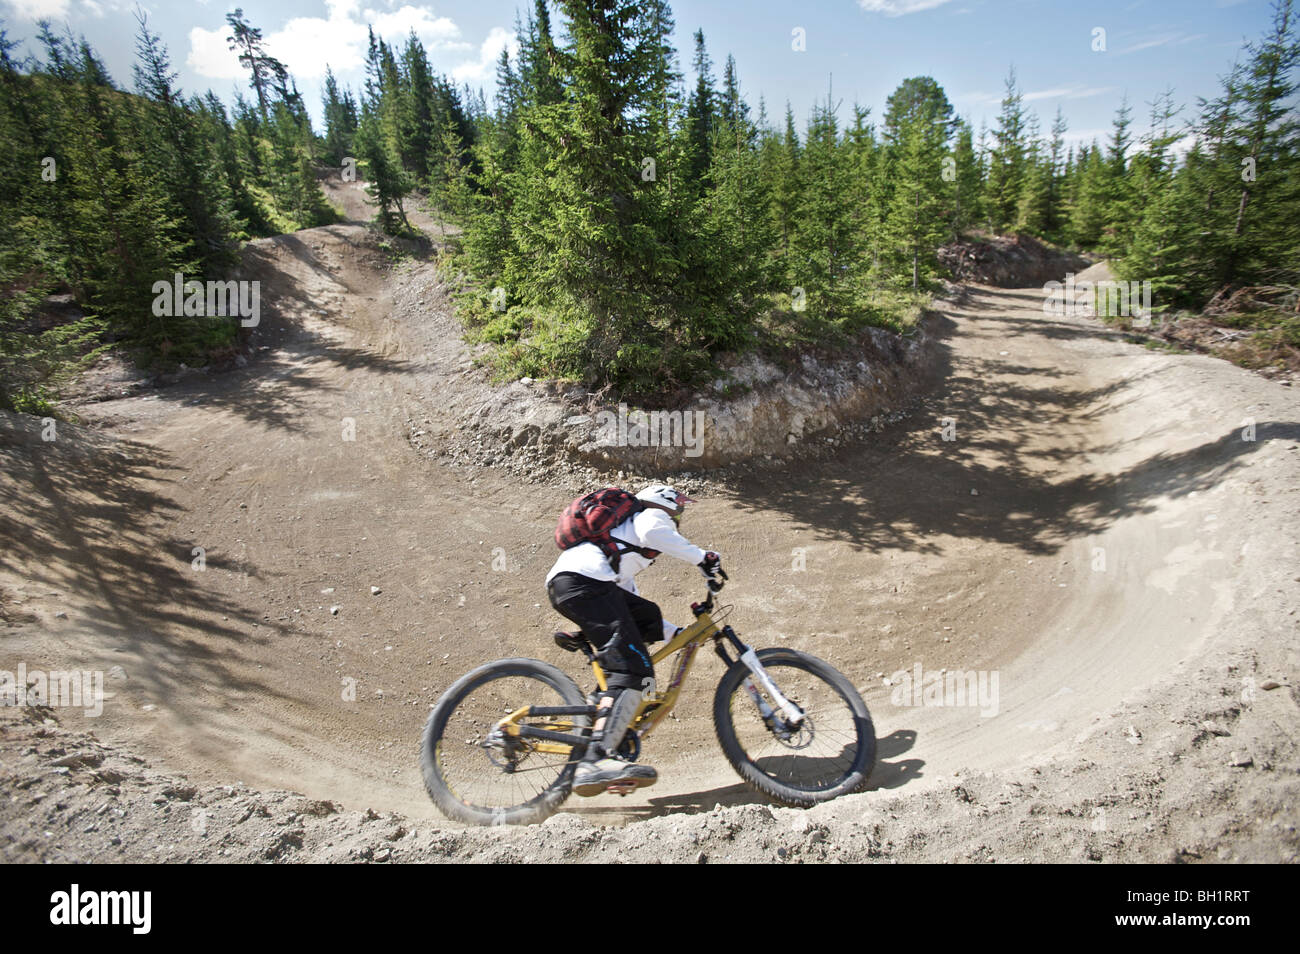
x: 572, y: 642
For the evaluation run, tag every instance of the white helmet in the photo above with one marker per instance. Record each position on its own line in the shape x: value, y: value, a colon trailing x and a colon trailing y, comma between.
x: 666, y: 497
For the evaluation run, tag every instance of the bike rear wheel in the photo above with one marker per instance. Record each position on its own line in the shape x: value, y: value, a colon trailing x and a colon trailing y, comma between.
x: 830, y: 754
x: 480, y: 777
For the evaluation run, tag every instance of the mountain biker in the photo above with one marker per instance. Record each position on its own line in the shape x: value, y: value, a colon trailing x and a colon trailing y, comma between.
x: 584, y: 587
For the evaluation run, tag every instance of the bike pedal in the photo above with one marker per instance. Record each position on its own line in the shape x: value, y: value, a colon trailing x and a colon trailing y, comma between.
x: 621, y: 788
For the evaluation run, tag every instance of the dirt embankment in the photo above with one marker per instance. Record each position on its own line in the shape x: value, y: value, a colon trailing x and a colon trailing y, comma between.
x: 1009, y: 261
x: 772, y: 415
x: 277, y: 576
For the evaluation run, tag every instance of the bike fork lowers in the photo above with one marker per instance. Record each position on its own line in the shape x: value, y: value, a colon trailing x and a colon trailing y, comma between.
x: 790, y: 713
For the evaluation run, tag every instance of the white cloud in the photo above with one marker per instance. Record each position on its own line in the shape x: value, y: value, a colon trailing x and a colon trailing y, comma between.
x: 210, y: 56
x: 1168, y: 39
x: 898, y: 8
x: 1068, y: 92
x: 436, y: 33
x: 306, y: 44
x: 1046, y: 94
x: 33, y: 10
x: 978, y: 98
x: 488, y: 55
x: 984, y: 98
x: 62, y: 10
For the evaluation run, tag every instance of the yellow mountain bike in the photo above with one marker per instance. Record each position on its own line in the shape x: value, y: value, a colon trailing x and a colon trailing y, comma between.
x: 501, y: 744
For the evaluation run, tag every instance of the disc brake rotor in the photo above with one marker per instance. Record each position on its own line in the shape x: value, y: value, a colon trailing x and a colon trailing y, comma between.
x: 793, y: 737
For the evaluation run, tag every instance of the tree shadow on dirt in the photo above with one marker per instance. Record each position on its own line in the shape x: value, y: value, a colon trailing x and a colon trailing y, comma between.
x: 75, y: 517
x: 1019, y: 448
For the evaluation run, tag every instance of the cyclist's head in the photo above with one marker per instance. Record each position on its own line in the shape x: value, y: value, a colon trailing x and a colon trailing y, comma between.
x: 666, y: 498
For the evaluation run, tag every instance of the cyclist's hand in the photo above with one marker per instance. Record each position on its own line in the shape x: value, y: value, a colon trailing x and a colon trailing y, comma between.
x: 711, y: 564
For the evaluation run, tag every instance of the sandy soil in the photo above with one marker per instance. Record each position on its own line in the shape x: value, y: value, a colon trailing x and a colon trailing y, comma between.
x: 1098, y: 534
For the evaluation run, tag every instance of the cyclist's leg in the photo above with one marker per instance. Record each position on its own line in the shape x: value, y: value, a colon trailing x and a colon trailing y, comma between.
x: 600, y: 609
x: 604, y: 611
x: 649, y: 619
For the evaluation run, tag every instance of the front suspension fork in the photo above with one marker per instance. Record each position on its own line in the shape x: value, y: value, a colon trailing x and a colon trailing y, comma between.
x: 790, y: 713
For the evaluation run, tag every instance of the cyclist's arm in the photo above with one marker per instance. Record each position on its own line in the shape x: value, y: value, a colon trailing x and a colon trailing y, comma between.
x: 661, y: 534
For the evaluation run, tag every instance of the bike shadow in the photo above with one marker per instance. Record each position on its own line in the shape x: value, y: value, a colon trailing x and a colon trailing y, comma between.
x: 895, y: 774
x: 885, y: 775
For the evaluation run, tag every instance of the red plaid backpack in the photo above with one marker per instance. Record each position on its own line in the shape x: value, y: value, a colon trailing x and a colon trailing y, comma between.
x: 590, y: 518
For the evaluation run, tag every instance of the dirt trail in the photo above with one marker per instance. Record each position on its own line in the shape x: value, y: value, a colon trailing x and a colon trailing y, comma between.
x: 1094, y: 532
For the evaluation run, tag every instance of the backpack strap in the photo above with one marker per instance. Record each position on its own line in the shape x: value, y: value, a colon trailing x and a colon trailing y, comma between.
x: 625, y: 547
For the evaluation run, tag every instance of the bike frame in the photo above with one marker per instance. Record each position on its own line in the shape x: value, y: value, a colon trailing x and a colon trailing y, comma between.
x: 655, y: 705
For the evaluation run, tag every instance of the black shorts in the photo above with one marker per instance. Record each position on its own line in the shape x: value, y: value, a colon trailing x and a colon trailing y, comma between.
x: 618, y: 623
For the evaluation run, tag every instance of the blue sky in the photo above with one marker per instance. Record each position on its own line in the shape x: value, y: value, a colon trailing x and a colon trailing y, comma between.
x: 860, y: 49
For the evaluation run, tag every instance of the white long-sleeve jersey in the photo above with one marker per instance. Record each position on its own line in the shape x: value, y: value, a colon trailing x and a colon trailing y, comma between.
x: 652, y: 529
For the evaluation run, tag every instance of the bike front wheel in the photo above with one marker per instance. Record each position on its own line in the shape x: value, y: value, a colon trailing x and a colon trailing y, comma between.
x: 477, y: 775
x: 830, y: 753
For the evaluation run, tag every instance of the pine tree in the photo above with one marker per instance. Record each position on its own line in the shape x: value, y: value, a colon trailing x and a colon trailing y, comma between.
x: 418, y: 134
x: 735, y: 244
x: 1007, y: 159
x: 781, y: 155
x: 31, y: 358
x: 214, y: 126
x: 1089, y: 215
x: 825, y: 248
x: 1263, y: 231
x: 539, y: 79
x: 916, y: 211
x: 1118, y: 188
x: 1054, y: 218
x: 246, y: 40
x: 182, y: 160
x: 733, y: 110
x: 700, y: 115
x: 966, y: 183
x: 915, y: 225
x: 1034, y: 207
x: 1155, y: 250
x: 862, y: 155
x: 387, y: 182
x: 340, y: 121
